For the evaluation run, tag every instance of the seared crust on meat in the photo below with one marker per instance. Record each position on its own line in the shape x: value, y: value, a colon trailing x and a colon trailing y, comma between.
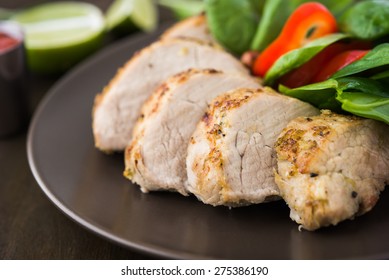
x: 208, y: 168
x: 193, y: 27
x: 155, y: 159
x: 230, y: 156
x: 331, y: 167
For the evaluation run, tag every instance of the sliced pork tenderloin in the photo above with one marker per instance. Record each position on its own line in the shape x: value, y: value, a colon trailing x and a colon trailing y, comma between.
x: 156, y: 157
x: 331, y: 167
x: 231, y: 157
x: 117, y: 108
x: 192, y: 27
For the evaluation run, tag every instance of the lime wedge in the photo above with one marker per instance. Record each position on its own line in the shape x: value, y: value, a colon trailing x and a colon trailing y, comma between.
x: 125, y: 16
x: 58, y: 35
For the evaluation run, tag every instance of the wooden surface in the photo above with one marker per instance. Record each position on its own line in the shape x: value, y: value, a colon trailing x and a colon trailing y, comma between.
x: 31, y: 227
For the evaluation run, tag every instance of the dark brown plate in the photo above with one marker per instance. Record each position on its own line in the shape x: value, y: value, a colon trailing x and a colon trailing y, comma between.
x: 88, y: 187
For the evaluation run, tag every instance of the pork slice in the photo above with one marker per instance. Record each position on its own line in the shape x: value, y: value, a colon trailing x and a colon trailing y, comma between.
x: 331, y: 167
x: 192, y: 27
x: 231, y: 157
x: 117, y: 108
x: 155, y: 159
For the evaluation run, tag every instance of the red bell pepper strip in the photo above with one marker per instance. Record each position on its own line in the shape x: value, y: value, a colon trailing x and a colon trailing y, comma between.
x: 309, y: 21
x: 338, y: 62
x: 306, y: 72
x: 309, y: 71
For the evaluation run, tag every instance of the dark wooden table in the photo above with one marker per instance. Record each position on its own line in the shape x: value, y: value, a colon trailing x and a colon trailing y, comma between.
x: 31, y: 227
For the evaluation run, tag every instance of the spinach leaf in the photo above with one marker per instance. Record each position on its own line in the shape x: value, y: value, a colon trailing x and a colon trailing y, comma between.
x: 365, y: 85
x: 381, y: 76
x: 321, y: 95
x: 338, y: 7
x: 361, y: 96
x: 183, y: 8
x: 365, y: 105
x: 378, y: 56
x: 233, y: 23
x: 275, y: 13
x: 258, y: 5
x: 364, y: 97
x: 367, y: 20
x: 298, y: 57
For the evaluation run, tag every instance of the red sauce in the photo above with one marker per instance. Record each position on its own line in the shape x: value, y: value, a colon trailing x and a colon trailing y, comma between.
x: 7, y: 42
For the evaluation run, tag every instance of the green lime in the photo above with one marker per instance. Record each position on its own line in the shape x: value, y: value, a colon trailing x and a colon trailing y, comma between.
x: 125, y: 16
x: 183, y: 9
x: 59, y: 35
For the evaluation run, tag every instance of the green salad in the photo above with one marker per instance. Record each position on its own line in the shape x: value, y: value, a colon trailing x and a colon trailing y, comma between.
x: 333, y: 54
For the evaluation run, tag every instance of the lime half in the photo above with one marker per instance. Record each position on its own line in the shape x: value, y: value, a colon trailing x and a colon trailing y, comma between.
x: 124, y: 16
x: 58, y: 35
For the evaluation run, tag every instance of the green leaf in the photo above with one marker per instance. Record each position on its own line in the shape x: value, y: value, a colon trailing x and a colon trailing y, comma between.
x: 360, y: 96
x: 275, y: 13
x: 337, y: 7
x: 379, y: 56
x: 183, y: 8
x: 381, y: 76
x: 298, y: 57
x: 258, y: 5
x: 367, y: 20
x: 366, y: 103
x: 321, y: 95
x: 364, y: 85
x: 233, y: 23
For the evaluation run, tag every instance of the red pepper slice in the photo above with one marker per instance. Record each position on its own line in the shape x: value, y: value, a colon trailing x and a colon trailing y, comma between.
x: 309, y: 21
x: 309, y: 71
x: 338, y: 62
x: 306, y: 72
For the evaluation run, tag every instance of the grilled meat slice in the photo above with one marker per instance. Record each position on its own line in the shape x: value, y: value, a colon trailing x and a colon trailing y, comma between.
x: 231, y: 157
x: 193, y: 27
x: 117, y: 108
x: 155, y: 159
x: 331, y: 167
